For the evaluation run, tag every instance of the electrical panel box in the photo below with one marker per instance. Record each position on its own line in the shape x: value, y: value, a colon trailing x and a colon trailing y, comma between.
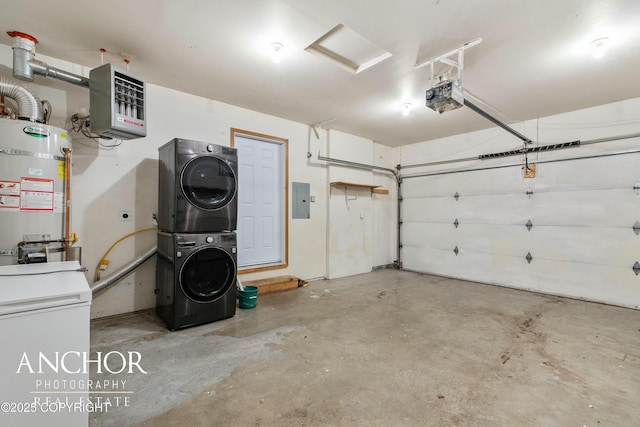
x: 445, y: 96
x: 301, y: 199
x: 117, y: 103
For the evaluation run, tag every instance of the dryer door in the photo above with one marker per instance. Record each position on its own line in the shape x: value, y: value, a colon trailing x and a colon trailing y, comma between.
x: 207, y: 274
x: 208, y: 182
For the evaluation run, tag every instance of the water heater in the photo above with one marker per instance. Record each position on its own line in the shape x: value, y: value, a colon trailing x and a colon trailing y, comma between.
x: 32, y: 185
x: 117, y: 103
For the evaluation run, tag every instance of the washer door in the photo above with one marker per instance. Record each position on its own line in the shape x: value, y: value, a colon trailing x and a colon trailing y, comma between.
x: 208, y: 182
x: 207, y: 274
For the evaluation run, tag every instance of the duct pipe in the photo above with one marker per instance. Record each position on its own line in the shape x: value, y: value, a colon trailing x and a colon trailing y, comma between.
x: 122, y: 272
x: 29, y: 105
x: 25, y: 65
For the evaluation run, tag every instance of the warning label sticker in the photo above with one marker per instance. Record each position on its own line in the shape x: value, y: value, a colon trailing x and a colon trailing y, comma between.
x: 9, y: 195
x: 10, y: 187
x: 36, y: 184
x: 36, y: 194
x: 36, y: 201
x: 8, y: 201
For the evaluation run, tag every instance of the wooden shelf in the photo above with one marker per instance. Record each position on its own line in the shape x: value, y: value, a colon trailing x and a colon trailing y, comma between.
x: 380, y: 190
x: 353, y: 184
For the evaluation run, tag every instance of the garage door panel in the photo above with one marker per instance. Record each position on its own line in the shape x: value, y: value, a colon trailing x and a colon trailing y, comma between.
x: 603, y: 283
x: 422, y: 235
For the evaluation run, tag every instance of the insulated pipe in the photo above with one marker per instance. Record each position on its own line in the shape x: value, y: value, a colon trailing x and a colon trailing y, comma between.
x: 29, y: 105
x: 122, y: 272
x: 489, y: 117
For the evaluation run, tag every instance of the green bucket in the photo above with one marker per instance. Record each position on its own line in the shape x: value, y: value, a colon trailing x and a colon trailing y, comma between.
x: 249, y: 297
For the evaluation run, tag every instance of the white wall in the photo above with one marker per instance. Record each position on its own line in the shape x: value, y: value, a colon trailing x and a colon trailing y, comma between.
x: 361, y: 227
x: 582, y: 211
x: 125, y: 178
x: 350, y: 208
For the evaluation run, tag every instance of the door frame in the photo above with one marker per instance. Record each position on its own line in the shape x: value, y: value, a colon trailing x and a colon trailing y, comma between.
x: 285, y: 143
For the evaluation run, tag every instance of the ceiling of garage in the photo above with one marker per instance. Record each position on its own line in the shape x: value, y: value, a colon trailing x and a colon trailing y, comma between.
x: 534, y: 60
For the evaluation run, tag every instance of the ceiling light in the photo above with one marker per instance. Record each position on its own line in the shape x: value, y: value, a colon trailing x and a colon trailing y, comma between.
x: 276, y: 52
x: 406, y: 108
x: 599, y: 47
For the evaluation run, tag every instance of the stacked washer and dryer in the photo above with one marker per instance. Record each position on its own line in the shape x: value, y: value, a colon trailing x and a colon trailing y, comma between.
x: 197, y: 216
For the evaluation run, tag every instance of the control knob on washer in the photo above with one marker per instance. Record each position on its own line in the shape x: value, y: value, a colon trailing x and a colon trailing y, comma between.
x: 210, y: 148
x: 209, y: 239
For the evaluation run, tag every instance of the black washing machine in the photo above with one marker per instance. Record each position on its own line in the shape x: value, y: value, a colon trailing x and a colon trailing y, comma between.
x: 198, y: 187
x: 195, y: 278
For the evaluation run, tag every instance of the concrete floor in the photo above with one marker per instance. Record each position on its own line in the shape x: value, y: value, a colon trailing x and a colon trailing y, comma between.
x: 388, y: 348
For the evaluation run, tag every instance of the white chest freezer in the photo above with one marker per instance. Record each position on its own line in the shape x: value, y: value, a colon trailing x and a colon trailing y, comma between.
x: 44, y: 319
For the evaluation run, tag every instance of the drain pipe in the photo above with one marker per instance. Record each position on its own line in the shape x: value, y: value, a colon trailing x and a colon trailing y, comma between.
x: 122, y: 272
x: 25, y: 65
x: 29, y: 105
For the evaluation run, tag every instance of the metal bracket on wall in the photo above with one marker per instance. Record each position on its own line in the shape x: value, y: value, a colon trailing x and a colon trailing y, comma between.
x: 636, y: 268
x: 455, y: 250
x: 456, y: 223
x: 529, y: 258
x: 636, y: 188
x: 456, y: 196
x: 529, y: 225
x: 347, y: 198
x: 530, y: 192
x: 636, y: 227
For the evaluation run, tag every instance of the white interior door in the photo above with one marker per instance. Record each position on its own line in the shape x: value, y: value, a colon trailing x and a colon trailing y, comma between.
x: 260, y: 202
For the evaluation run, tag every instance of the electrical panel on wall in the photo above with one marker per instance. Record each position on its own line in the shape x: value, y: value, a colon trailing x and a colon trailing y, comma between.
x: 301, y: 199
x: 117, y: 103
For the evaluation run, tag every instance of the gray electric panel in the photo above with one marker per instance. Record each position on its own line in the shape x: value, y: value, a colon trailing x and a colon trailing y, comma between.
x: 301, y: 200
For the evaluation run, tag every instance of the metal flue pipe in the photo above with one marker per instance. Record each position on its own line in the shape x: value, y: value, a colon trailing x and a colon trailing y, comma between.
x: 41, y: 68
x: 25, y: 65
x: 122, y: 272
